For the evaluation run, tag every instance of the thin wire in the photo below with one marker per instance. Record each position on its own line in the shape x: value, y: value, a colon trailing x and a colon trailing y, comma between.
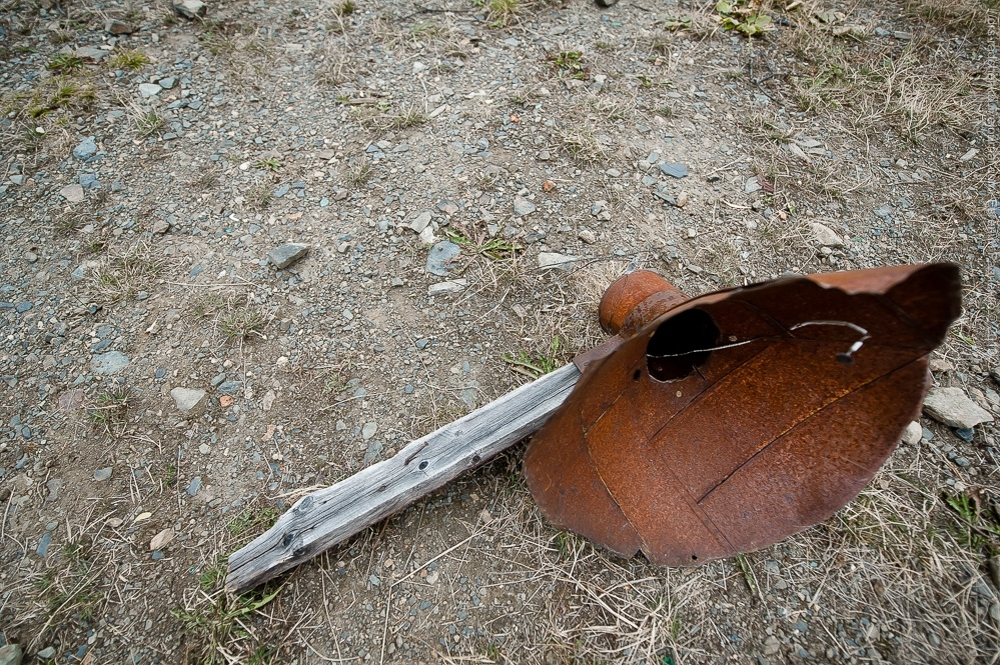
x: 844, y: 357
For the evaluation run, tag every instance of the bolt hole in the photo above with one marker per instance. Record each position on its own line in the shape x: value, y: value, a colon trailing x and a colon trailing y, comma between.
x: 423, y: 465
x: 476, y: 458
x: 680, y: 344
x: 638, y: 373
x: 694, y: 557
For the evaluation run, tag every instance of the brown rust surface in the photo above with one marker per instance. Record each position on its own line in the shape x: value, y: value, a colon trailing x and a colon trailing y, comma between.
x: 738, y: 418
x: 628, y: 292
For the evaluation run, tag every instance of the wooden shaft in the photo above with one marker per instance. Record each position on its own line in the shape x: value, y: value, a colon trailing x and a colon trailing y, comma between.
x: 329, y: 516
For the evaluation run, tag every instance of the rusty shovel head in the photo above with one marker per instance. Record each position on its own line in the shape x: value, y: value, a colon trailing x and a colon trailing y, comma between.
x: 733, y: 420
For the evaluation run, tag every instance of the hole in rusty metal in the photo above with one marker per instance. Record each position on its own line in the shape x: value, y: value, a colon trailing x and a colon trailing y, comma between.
x: 638, y: 373
x: 680, y: 344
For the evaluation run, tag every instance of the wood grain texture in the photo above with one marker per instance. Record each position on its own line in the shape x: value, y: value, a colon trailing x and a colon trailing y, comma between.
x: 329, y: 516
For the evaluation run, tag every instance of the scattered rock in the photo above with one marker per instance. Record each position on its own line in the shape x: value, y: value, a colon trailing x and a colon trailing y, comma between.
x: 442, y: 257
x: 523, y: 206
x: 102, y: 474
x: 161, y: 540
x: 72, y: 193
x: 109, y: 363
x: 587, y: 236
x: 421, y: 221
x: 913, y: 433
x: 682, y: 200
x: 771, y: 645
x: 160, y: 227
x: 752, y: 185
x: 47, y: 653
x: 187, y: 398
x: 43, y: 545
x: 91, y: 53
x: 148, y: 90
x: 368, y: 430
x: 373, y: 451
x: 86, y: 148
x: 287, y: 254
x: 11, y: 654
x: 856, y: 32
x: 951, y: 407
x: 194, y: 486
x: 226, y: 401
x: 116, y: 27
x: 72, y: 400
x: 825, y: 236
x: 427, y: 236
x: 555, y: 260
x: 940, y: 365
x: 190, y: 9
x: 673, y: 170
x: 450, y: 286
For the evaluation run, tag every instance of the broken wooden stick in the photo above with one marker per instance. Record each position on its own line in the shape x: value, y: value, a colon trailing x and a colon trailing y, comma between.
x: 329, y: 516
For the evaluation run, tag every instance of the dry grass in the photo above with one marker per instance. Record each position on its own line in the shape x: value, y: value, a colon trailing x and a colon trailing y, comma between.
x: 120, y: 277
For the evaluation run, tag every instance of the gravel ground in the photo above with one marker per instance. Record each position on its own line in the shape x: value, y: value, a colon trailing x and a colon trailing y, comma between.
x: 250, y: 253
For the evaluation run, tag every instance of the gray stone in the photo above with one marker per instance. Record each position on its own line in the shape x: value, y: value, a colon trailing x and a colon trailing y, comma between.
x: 674, y: 170
x: 373, y: 451
x: 86, y: 148
x: 587, y: 236
x: 72, y: 193
x: 451, y: 286
x: 47, y: 653
x: 912, y: 433
x: 116, y: 27
x: 187, y: 398
x: 148, y: 90
x: 287, y: 254
x: 951, y: 407
x: 167, y: 83
x: 91, y: 53
x: 43, y: 544
x: 368, y: 430
x: 194, y: 486
x: 555, y: 260
x: 752, y: 185
x: 190, y: 9
x: 230, y: 387
x: 447, y: 207
x: 825, y: 235
x: 523, y: 206
x: 442, y: 257
x: 11, y: 655
x: 102, y: 474
x: 160, y: 227
x: 110, y: 362
x: 421, y: 221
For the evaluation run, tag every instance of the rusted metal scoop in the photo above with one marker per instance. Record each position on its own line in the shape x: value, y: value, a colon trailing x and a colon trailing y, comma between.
x: 723, y: 424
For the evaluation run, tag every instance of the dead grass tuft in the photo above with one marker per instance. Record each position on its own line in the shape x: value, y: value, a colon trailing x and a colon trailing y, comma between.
x: 121, y: 277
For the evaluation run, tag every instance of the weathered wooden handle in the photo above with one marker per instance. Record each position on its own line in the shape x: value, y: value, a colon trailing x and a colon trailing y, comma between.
x: 331, y: 515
